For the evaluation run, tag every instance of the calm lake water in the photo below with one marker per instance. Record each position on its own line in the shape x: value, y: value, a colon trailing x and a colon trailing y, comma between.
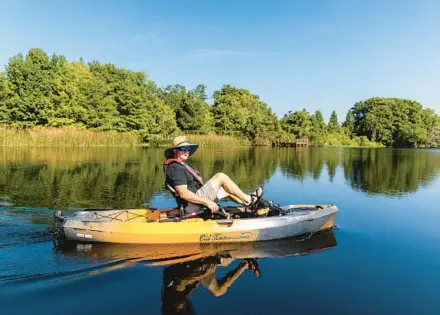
x: 383, y: 258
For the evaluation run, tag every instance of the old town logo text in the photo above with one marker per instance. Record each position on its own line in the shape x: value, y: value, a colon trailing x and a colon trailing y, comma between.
x: 220, y: 237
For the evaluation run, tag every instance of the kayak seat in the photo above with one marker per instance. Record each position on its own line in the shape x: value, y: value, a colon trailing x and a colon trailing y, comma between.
x: 176, y: 196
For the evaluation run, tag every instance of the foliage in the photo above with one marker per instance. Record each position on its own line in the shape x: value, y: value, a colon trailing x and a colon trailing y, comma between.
x: 38, y: 90
x: 240, y: 113
x: 192, y: 113
x: 333, y: 124
x: 393, y: 121
x: 432, y: 124
x: 339, y: 139
x: 48, y: 91
x: 319, y: 128
x: 5, y: 94
x: 348, y: 124
x: 297, y: 123
x: 216, y: 141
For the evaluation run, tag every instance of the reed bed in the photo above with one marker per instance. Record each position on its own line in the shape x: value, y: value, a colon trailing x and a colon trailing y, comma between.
x: 68, y: 155
x: 65, y: 137
x: 218, y: 141
x: 76, y: 137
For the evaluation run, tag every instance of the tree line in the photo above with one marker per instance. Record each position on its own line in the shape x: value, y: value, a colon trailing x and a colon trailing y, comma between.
x: 48, y: 91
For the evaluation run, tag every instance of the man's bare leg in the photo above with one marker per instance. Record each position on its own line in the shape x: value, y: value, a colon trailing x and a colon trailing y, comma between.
x: 220, y: 287
x: 235, y: 193
x: 236, y: 199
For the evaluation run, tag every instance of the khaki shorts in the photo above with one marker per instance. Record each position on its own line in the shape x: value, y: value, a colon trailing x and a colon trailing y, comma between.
x: 207, y: 191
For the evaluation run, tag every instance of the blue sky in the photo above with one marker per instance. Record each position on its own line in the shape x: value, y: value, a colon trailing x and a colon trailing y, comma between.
x: 315, y: 54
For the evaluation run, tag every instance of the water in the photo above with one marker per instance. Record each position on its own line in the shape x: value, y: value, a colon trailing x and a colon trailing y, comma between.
x: 384, y: 257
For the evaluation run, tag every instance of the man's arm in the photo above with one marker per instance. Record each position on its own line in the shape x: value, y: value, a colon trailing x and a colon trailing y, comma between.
x: 189, y: 196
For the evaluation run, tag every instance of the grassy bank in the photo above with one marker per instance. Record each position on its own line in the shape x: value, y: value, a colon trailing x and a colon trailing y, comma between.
x: 65, y: 137
x: 343, y: 140
x: 209, y: 141
x: 75, y: 137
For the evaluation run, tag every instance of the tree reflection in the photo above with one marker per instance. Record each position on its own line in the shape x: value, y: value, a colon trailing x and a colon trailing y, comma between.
x: 374, y: 171
x: 128, y: 178
x: 121, y: 178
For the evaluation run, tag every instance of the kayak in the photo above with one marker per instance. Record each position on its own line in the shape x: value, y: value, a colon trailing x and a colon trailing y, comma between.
x: 168, y: 226
x: 165, y: 254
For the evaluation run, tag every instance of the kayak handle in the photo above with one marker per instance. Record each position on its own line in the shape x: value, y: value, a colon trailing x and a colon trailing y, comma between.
x: 225, y: 222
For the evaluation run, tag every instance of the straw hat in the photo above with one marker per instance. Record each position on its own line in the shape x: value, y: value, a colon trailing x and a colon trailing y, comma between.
x: 178, y: 142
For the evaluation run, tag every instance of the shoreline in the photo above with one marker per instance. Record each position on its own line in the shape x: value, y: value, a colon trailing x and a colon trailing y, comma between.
x: 73, y: 137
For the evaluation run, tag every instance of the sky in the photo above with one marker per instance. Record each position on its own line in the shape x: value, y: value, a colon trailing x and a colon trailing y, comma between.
x: 315, y: 54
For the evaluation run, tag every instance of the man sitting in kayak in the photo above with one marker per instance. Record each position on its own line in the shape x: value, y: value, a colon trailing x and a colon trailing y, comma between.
x: 190, y: 190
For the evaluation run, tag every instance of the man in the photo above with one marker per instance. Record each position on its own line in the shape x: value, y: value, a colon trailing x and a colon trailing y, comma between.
x: 190, y: 190
x: 181, y: 279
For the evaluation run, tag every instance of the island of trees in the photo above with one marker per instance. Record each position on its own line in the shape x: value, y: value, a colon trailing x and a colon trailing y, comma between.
x: 41, y: 92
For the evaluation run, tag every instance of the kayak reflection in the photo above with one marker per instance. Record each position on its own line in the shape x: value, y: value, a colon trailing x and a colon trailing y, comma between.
x: 191, y: 265
x: 181, y: 279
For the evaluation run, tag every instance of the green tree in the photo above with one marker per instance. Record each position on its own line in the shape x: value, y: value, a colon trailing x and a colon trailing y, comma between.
x: 192, y: 112
x: 5, y: 95
x: 297, y: 123
x: 31, y: 81
x: 173, y: 95
x: 164, y: 122
x: 318, y: 126
x: 333, y: 124
x: 320, y: 119
x: 391, y: 121
x: 38, y: 90
x: 238, y: 112
x: 348, y: 124
x: 63, y: 92
x: 432, y: 123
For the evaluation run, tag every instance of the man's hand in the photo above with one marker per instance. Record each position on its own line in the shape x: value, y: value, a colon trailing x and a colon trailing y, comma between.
x: 189, y: 196
x: 212, y: 206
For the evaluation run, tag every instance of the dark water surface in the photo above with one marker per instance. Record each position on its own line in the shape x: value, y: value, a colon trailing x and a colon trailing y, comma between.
x: 384, y: 257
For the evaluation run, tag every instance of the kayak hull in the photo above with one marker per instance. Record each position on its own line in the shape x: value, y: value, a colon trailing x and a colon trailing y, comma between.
x: 167, y: 254
x: 87, y: 226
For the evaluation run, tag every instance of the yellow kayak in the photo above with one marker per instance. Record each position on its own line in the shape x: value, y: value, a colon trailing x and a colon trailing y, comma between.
x: 166, y: 226
x: 169, y: 254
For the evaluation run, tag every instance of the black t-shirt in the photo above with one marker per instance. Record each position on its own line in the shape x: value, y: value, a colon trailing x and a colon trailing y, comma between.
x: 177, y: 174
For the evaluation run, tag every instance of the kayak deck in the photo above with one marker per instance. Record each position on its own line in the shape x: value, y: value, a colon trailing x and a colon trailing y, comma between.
x: 160, y: 226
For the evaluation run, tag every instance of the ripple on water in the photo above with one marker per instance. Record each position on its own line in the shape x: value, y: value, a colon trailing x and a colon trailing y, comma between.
x: 21, y: 226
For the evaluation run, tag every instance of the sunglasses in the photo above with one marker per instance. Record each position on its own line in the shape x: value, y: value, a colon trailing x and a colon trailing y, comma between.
x: 183, y: 149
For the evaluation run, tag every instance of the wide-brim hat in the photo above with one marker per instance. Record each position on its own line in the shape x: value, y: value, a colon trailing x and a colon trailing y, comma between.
x: 178, y: 142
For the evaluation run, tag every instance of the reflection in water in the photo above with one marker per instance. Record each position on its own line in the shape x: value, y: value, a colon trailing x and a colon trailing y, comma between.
x: 391, y: 171
x: 190, y: 266
x: 129, y: 178
x: 374, y: 171
x: 180, y: 280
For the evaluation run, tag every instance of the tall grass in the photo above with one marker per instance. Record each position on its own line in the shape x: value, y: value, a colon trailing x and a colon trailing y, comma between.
x: 76, y: 137
x: 218, y: 141
x: 336, y: 139
x: 67, y: 155
x: 65, y: 137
